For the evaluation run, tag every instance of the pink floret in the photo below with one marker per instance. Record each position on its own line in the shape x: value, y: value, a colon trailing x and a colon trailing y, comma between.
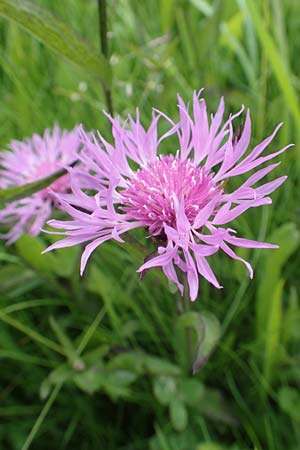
x: 28, y: 161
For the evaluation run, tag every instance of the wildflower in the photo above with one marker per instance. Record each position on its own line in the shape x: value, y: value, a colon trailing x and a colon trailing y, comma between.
x: 30, y: 160
x: 181, y: 199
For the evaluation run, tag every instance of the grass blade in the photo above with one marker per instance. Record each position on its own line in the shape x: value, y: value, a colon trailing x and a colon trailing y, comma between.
x: 279, y: 67
x: 56, y: 35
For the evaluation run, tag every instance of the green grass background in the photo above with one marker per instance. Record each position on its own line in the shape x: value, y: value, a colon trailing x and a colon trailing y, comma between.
x: 95, y: 363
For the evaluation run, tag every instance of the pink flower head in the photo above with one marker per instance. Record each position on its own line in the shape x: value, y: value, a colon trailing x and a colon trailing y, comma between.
x: 30, y: 160
x: 182, y: 199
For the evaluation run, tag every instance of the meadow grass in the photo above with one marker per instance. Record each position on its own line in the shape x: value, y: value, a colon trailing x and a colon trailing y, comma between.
x: 95, y: 363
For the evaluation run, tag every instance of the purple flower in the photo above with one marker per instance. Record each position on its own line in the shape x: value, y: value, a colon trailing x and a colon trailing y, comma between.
x: 28, y: 161
x: 183, y: 200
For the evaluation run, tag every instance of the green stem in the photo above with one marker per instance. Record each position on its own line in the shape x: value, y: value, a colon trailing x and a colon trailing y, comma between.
x: 185, y: 307
x: 104, y: 49
x: 42, y: 417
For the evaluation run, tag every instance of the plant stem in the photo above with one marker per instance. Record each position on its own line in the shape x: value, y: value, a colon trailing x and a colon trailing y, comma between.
x: 104, y: 49
x: 186, y: 306
x: 42, y: 416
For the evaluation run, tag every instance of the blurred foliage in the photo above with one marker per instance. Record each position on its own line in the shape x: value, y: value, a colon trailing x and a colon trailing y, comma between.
x: 98, y: 362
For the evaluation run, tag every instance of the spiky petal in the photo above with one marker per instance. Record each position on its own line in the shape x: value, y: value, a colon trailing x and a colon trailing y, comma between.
x: 181, y: 199
x: 30, y: 160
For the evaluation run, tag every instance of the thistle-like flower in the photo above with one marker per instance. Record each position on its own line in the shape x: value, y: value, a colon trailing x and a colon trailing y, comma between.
x: 30, y: 160
x: 182, y: 199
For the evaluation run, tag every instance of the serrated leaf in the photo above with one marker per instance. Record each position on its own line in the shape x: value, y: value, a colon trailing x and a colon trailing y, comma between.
x: 56, y: 35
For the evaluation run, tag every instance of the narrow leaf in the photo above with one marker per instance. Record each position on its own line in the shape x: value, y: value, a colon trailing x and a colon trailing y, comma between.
x: 284, y: 78
x: 17, y: 192
x: 56, y: 35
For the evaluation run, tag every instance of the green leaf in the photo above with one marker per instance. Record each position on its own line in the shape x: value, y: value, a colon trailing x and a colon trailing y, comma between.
x: 284, y: 78
x: 92, y: 379
x: 272, y: 332
x: 31, y: 333
x: 132, y: 361
x: 117, y: 383
x: 66, y: 262
x: 189, y: 332
x: 191, y: 391
x: 164, y: 389
x: 178, y: 414
x: 159, y: 366
x: 98, y: 377
x: 289, y: 401
x: 288, y: 238
x: 13, y: 277
x: 206, y: 331
x: 16, y: 193
x: 67, y: 345
x: 209, y: 446
x: 56, y: 35
x: 214, y: 407
x: 30, y: 248
x: 212, y: 333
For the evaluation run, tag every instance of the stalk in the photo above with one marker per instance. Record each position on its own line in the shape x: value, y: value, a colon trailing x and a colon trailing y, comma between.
x: 185, y: 304
x: 102, y: 13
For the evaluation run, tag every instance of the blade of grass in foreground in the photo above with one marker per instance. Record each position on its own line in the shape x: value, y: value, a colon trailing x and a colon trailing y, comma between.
x: 17, y: 192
